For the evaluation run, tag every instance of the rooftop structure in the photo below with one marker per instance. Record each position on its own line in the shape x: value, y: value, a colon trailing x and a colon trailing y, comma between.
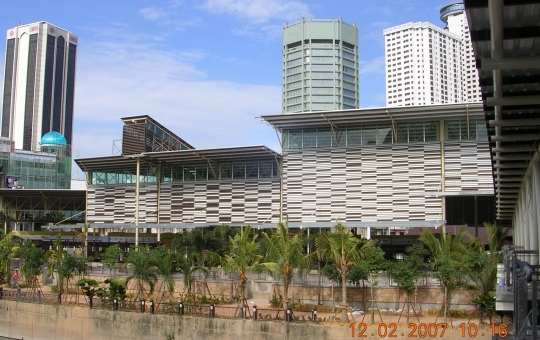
x: 320, y: 66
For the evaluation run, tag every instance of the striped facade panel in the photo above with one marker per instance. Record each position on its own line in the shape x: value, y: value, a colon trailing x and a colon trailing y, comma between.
x: 468, y: 166
x: 238, y: 202
x: 368, y: 184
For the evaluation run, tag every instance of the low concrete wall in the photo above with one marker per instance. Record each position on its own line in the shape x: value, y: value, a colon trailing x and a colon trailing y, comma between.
x: 33, y: 321
x: 427, y: 297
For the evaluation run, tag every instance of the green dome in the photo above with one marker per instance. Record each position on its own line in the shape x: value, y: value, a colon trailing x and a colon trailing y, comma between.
x: 53, y: 138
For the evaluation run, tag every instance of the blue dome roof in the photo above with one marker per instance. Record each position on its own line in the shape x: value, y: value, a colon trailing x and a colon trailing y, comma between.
x: 54, y: 138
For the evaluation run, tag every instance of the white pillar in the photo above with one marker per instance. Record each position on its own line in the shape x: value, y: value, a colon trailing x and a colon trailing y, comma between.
x: 536, y: 199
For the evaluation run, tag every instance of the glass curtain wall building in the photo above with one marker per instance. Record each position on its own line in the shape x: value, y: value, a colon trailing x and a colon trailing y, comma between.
x: 39, y: 84
x: 320, y: 65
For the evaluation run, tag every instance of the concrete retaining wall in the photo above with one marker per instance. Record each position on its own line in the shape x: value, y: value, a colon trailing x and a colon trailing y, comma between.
x: 32, y: 321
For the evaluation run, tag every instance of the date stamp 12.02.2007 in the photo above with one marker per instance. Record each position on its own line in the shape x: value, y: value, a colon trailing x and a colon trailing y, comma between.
x: 423, y: 330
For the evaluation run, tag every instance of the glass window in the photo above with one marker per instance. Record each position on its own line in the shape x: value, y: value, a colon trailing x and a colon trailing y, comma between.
x: 285, y: 139
x: 431, y: 131
x: 189, y: 173
x: 275, y: 169
x: 201, y: 172
x: 354, y: 136
x: 225, y: 170
x: 341, y: 136
x: 481, y: 131
x: 252, y: 169
x: 310, y: 138
x: 295, y: 139
x: 112, y: 178
x: 265, y: 169
x: 453, y: 130
x: 416, y: 132
x: 239, y: 170
x: 369, y: 135
x: 403, y: 133
x: 384, y: 135
x: 324, y: 138
x: 212, y: 171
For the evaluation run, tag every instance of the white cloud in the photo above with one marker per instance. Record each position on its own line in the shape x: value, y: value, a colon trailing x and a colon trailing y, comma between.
x: 153, y: 13
x: 260, y: 11
x: 121, y: 80
x: 372, y: 66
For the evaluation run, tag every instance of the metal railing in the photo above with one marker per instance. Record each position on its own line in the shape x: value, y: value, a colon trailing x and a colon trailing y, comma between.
x: 30, y: 296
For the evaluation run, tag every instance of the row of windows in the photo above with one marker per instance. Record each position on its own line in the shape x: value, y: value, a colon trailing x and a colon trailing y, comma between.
x: 322, y: 98
x: 383, y: 134
x: 189, y: 173
x: 317, y: 53
x: 320, y: 90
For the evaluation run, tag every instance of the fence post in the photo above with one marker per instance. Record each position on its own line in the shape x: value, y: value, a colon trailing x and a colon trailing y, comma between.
x: 1, y: 293
x: 38, y: 297
x: 181, y: 308
x: 212, y: 310
x: 90, y: 302
x: 18, y: 295
x: 314, y: 315
x: 143, y: 307
x: 151, y: 306
x: 59, y: 299
x: 288, y: 315
x: 254, y: 312
x: 244, y: 312
x: 115, y: 303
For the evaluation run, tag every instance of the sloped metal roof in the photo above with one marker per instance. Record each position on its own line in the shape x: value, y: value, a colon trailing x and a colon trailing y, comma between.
x: 177, y: 157
x: 506, y: 42
x: 368, y: 116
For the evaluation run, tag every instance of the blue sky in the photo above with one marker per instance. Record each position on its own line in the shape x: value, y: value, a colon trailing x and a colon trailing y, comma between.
x: 205, y: 68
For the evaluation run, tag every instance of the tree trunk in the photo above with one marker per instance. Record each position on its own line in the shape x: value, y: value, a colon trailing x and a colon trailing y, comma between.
x: 344, y: 306
x: 445, y: 302
x: 285, y: 295
x: 372, y: 304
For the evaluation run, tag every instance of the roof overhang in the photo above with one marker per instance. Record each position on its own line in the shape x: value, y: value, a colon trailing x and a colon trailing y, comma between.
x: 44, y: 199
x: 385, y: 115
x: 302, y: 225
x: 149, y: 159
x: 506, y: 43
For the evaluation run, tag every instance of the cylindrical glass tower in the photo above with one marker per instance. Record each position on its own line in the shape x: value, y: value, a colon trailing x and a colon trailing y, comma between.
x: 320, y: 66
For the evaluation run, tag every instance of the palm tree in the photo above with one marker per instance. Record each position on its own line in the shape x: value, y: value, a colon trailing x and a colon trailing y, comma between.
x: 285, y: 253
x: 449, y: 254
x: 344, y: 249
x: 187, y: 266
x: 496, y: 237
x: 144, y: 269
x: 7, y: 251
x: 55, y: 257
x: 242, y: 256
x: 165, y: 262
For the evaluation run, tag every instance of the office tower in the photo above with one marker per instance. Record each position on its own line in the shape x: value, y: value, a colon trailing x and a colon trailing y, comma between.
x: 426, y: 64
x: 320, y: 66
x: 39, y: 84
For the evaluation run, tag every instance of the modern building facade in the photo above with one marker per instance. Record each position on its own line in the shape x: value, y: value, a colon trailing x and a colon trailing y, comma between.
x: 320, y: 66
x: 389, y: 167
x: 39, y: 84
x: 426, y: 64
x: 49, y: 168
x: 182, y: 187
x: 378, y: 170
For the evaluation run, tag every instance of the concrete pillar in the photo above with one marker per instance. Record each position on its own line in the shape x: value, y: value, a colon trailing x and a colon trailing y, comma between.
x: 536, y: 199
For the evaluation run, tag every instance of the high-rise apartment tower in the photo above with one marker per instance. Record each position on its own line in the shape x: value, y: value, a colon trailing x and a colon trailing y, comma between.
x: 426, y: 64
x: 39, y: 84
x: 320, y: 66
